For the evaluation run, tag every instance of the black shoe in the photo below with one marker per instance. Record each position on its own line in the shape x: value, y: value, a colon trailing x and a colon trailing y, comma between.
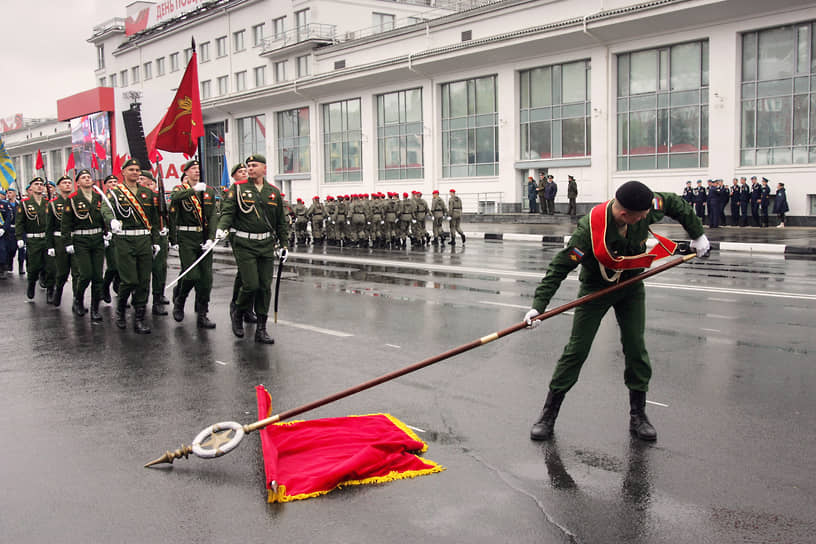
x: 96, y: 317
x: 639, y: 424
x: 250, y: 317
x: 261, y: 335
x: 236, y: 317
x: 116, y: 282
x: 162, y: 300
x: 49, y: 295
x: 138, y: 322
x: 202, y: 322
x: 106, y: 285
x: 158, y: 309
x: 178, y: 310
x: 32, y: 288
x: 79, y: 307
x: 121, y: 303
x: 463, y: 237
x: 543, y: 428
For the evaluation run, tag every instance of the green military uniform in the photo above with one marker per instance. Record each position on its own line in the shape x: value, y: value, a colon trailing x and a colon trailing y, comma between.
x: 316, y: 213
x: 64, y: 263
x: 331, y: 226
x: 438, y: 211
x: 455, y: 210
x: 378, y: 221
x: 31, y: 225
x: 136, y: 210
x: 628, y: 302
x: 83, y: 227
x: 301, y: 220
x: 392, y: 208
x: 256, y: 217
x: 422, y: 211
x: 195, y: 221
x: 358, y: 214
x: 341, y: 219
x: 407, y: 217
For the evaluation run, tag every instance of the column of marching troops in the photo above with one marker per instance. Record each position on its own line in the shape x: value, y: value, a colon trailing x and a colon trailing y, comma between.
x: 117, y: 239
x: 711, y: 200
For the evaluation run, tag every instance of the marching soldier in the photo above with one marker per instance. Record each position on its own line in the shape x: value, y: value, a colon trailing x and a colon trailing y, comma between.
x: 301, y: 220
x: 134, y: 222
x: 195, y: 223
x: 315, y: 214
x: 30, y: 228
x: 83, y: 230
x: 11, y: 198
x: 422, y: 211
x: 111, y: 274
x: 358, y: 214
x: 455, y: 218
x: 254, y: 210
x: 439, y: 211
x: 572, y: 195
x: 64, y: 263
x: 5, y: 233
x: 158, y: 272
x: 378, y: 220
x: 744, y: 200
x: 341, y: 220
x: 392, y: 208
x: 764, y: 201
x: 734, y: 193
x: 407, y: 216
x: 239, y: 173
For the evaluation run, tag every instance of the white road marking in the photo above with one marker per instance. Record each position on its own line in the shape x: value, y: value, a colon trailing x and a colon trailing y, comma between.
x: 221, y: 363
x: 519, y: 306
x: 717, y: 316
x: 393, y: 346
x: 721, y: 299
x: 657, y: 403
x: 315, y: 329
x: 417, y: 429
x: 711, y: 330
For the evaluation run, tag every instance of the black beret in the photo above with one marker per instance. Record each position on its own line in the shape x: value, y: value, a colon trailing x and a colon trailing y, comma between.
x: 189, y: 164
x: 634, y: 196
x: 148, y: 174
x: 64, y: 176
x: 255, y: 158
x: 131, y: 162
x: 236, y: 168
x: 83, y: 171
x: 111, y: 177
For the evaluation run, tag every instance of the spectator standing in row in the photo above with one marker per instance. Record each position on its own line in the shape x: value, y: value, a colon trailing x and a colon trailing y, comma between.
x: 780, y: 204
x: 532, y: 194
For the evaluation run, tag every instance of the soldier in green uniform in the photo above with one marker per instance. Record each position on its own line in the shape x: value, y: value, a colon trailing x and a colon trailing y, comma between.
x: 392, y: 208
x: 357, y: 214
x: 253, y: 210
x: 438, y: 211
x: 341, y: 220
x: 134, y: 222
x: 239, y: 173
x: 422, y: 212
x: 378, y: 220
x: 195, y: 223
x: 407, y: 217
x: 331, y: 226
x: 158, y: 272
x: 301, y: 220
x: 83, y: 230
x: 64, y: 263
x: 455, y: 218
x: 316, y: 213
x: 111, y: 276
x: 610, y: 243
x: 30, y: 228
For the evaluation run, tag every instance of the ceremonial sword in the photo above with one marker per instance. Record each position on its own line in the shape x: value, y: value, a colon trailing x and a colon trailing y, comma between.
x: 204, y: 254
x: 221, y: 438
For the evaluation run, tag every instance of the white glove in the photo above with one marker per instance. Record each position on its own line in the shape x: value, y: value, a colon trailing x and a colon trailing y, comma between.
x: 156, y: 249
x: 382, y: 222
x: 348, y: 222
x: 174, y: 247
x: 164, y: 232
x: 220, y: 233
x: 200, y: 187
x: 282, y: 253
x: 207, y: 245
x: 528, y: 318
x: 21, y: 244
x: 367, y: 223
x: 702, y: 246
x: 413, y: 220
x: 2, y: 232
x: 108, y: 236
x: 52, y: 253
x: 69, y: 249
x: 106, y: 242
x: 448, y: 218
x: 116, y: 226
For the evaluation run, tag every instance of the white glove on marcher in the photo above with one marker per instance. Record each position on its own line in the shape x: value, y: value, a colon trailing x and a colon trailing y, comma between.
x: 174, y: 247
x: 367, y: 223
x: 2, y: 232
x: 156, y: 249
x: 413, y: 220
x: 348, y: 222
x: 382, y: 222
x: 207, y: 245
x: 69, y: 249
x: 702, y: 246
x: 51, y: 252
x: 21, y: 244
x: 108, y: 236
x: 448, y: 218
x: 164, y: 232
x: 220, y: 233
x: 116, y: 226
x: 200, y: 187
x: 106, y: 243
x: 528, y: 318
x: 282, y: 254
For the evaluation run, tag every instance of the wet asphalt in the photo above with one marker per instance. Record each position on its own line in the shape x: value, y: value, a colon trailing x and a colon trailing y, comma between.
x: 732, y: 342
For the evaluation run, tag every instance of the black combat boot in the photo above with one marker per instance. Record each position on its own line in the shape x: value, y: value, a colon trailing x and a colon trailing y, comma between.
x: 78, y: 307
x: 162, y: 300
x: 106, y: 285
x: 49, y: 295
x: 236, y: 317
x: 202, y: 322
x: 121, y: 304
x: 57, y: 295
x: 261, y: 335
x: 32, y: 288
x: 158, y: 307
x: 138, y: 322
x: 250, y: 317
x: 463, y: 237
x: 96, y: 317
x: 178, y: 308
x: 543, y: 428
x: 638, y: 422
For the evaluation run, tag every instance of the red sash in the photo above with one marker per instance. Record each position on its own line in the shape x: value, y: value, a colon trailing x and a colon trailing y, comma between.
x: 199, y: 215
x: 598, y: 227
x: 135, y: 203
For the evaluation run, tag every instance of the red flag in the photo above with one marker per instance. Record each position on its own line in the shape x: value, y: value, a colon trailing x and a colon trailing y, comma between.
x: 40, y: 165
x: 70, y: 161
x: 183, y: 124
x: 94, y: 163
x: 117, y: 165
x: 99, y: 150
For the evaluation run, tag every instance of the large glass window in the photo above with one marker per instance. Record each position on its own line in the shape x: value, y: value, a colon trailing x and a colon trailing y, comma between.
x: 342, y: 141
x: 470, y: 128
x: 663, y: 107
x: 293, y: 141
x: 206, y: 89
x: 302, y: 24
x: 779, y: 96
x: 251, y: 135
x: 555, y: 111
x: 278, y: 27
x: 383, y: 21
x: 399, y: 135
x: 303, y: 66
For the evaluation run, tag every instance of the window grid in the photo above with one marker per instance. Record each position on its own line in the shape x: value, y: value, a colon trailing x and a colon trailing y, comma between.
x: 159, y: 66
x: 148, y: 70
x: 342, y: 141
x: 223, y: 85
x: 174, y: 62
x: 221, y: 47
x: 240, y: 81
x: 400, y: 135
x: 260, y: 76
x: 258, y: 35
x: 555, y: 118
x: 203, y: 52
x: 662, y: 108
x: 778, y: 96
x: 238, y: 41
x: 251, y: 135
x: 280, y: 71
x: 294, y: 146
x: 470, y: 128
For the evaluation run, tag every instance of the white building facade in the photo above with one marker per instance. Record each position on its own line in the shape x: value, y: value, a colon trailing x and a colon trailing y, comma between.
x: 359, y: 96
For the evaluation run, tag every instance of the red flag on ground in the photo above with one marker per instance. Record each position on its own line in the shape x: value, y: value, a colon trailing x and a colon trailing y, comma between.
x: 94, y: 162
x: 70, y: 163
x: 99, y: 150
x: 183, y: 124
x: 40, y: 164
x: 306, y: 459
x: 117, y: 165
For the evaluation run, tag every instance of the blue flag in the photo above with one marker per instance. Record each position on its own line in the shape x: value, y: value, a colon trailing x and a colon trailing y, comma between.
x: 7, y: 173
x: 225, y: 176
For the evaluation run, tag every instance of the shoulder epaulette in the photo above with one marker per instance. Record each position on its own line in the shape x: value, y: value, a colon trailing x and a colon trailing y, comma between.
x: 72, y: 195
x: 24, y: 199
x: 240, y: 182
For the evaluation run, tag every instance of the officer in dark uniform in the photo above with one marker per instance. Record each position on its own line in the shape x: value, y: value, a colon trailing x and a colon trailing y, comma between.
x: 756, y: 200
x: 688, y: 193
x: 744, y: 200
x: 700, y: 197
x: 725, y: 196
x: 11, y: 198
x: 764, y: 200
x: 734, y: 193
x: 5, y: 231
x: 714, y: 200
